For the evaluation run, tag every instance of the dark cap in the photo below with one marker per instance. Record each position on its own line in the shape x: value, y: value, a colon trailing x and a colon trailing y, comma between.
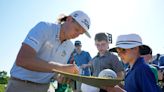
x: 78, y: 43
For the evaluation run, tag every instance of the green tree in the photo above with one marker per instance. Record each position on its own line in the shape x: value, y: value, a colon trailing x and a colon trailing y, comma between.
x: 3, y: 80
x: 3, y: 77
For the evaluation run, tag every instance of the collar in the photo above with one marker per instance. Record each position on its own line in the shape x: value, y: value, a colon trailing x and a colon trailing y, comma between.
x: 106, y: 54
x: 79, y: 53
x: 58, y: 28
x: 137, y: 62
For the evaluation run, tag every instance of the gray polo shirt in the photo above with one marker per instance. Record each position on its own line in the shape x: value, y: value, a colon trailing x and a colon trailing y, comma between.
x: 44, y: 39
x: 107, y: 61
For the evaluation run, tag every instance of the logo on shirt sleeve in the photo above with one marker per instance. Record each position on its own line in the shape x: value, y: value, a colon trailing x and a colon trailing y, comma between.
x: 32, y: 39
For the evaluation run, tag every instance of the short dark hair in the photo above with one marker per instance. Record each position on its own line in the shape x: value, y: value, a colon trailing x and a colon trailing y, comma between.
x: 103, y: 37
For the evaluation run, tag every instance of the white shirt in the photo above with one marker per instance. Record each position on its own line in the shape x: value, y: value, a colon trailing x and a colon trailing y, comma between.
x: 44, y: 39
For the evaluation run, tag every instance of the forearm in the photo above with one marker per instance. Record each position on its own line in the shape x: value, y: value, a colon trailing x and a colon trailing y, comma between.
x: 39, y: 65
x: 89, y: 64
x: 27, y: 58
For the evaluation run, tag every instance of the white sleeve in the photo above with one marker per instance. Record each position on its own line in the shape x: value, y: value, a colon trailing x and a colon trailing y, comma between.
x: 37, y: 36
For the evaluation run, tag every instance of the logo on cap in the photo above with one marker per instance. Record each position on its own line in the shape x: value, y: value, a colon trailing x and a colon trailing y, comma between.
x: 86, y: 23
x: 83, y: 20
x: 75, y: 15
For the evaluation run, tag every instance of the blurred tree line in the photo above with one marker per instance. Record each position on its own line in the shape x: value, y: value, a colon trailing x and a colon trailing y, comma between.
x: 3, y: 80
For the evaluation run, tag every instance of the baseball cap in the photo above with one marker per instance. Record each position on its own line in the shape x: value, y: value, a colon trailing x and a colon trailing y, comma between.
x: 128, y: 41
x: 77, y: 43
x: 83, y: 19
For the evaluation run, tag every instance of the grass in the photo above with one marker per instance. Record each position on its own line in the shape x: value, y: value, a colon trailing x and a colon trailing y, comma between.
x: 2, y: 87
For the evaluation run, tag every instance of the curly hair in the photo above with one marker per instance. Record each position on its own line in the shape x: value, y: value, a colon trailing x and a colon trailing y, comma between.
x: 61, y: 19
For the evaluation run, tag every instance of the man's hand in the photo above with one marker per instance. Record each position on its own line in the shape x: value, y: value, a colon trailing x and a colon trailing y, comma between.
x: 70, y: 68
x: 61, y: 79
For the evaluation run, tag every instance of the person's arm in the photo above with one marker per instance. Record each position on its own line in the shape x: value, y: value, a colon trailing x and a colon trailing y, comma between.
x: 120, y: 74
x: 89, y: 65
x: 26, y: 58
x: 118, y: 67
x: 114, y: 89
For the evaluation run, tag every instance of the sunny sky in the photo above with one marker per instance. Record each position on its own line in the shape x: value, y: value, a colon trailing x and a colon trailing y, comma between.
x: 144, y: 17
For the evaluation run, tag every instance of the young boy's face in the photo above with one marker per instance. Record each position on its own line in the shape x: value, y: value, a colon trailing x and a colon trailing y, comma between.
x: 102, y: 46
x: 128, y: 55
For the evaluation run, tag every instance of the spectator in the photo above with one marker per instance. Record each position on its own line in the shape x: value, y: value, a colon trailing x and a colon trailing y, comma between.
x: 159, y: 60
x: 146, y: 53
x: 105, y: 59
x: 140, y: 77
x: 81, y: 59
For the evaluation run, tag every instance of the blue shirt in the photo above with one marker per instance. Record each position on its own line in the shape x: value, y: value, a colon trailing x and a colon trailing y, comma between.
x: 83, y: 58
x: 140, y: 78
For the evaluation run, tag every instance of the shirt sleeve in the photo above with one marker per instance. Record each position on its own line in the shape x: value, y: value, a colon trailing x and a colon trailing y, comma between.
x: 116, y: 64
x: 89, y: 57
x: 37, y: 36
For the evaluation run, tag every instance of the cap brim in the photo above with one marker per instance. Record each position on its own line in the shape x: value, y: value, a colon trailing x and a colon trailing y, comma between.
x: 144, y: 50
x: 113, y: 50
x: 88, y: 34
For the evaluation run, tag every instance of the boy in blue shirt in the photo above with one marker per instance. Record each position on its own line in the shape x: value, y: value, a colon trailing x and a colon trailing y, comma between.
x: 139, y: 77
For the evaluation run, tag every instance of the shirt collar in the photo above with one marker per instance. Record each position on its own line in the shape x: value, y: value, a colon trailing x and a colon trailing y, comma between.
x: 106, y: 54
x: 58, y: 29
x: 138, y: 61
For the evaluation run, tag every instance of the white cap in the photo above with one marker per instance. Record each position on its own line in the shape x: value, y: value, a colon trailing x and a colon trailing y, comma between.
x: 128, y: 41
x: 83, y: 19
